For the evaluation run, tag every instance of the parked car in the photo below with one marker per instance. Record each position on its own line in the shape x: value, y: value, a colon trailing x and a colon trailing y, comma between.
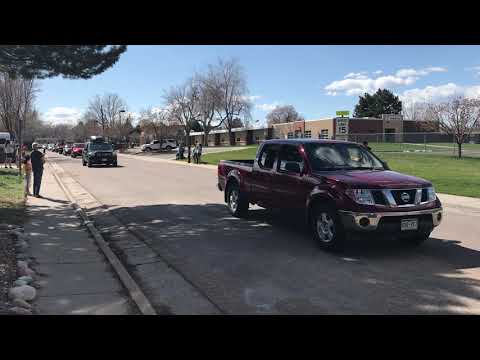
x: 165, y: 144
x: 77, y: 149
x: 59, y: 148
x: 50, y: 147
x: 342, y: 189
x: 97, y: 151
x: 67, y: 149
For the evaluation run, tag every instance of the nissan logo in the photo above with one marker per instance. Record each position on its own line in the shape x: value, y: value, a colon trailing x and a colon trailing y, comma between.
x: 405, y: 197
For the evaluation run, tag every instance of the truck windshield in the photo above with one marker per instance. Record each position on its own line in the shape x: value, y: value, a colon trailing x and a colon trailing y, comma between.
x: 101, y: 147
x: 341, y: 157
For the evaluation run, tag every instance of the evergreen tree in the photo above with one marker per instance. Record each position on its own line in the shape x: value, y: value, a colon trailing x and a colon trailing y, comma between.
x: 70, y: 61
x: 382, y: 102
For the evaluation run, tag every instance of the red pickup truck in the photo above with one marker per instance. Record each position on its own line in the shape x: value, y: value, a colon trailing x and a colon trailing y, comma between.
x: 341, y: 187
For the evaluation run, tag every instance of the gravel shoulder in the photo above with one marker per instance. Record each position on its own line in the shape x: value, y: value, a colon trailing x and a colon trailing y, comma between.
x: 7, y: 269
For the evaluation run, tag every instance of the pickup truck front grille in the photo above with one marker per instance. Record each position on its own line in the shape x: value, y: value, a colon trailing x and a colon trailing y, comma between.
x: 400, y: 197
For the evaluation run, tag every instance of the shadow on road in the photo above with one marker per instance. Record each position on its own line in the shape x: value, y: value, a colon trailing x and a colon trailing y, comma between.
x: 268, y: 263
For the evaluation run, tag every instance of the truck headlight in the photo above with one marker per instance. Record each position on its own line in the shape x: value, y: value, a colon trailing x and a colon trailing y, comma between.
x: 431, y: 194
x: 361, y: 196
x: 91, y: 154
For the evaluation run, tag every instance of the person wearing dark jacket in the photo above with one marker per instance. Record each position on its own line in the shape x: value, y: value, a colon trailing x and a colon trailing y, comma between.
x: 37, y: 159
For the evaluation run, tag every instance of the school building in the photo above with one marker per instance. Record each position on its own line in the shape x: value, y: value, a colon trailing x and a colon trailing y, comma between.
x: 388, y: 128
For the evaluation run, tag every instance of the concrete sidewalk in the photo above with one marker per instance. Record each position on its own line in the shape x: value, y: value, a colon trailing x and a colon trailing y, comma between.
x: 75, y: 277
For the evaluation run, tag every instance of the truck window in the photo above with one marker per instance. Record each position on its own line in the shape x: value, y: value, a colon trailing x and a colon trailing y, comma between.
x: 267, y: 156
x: 289, y: 153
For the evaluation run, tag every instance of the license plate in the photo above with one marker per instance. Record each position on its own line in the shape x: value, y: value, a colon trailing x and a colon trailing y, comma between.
x: 409, y: 224
x: 104, y: 159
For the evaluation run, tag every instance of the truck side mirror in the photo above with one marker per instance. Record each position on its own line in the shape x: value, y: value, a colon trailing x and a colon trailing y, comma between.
x: 385, y: 165
x: 293, y: 167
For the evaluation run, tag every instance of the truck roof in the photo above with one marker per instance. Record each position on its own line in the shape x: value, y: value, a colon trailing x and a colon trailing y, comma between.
x: 307, y: 141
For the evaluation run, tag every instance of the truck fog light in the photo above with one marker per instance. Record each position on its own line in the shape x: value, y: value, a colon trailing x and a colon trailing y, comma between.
x: 439, y: 216
x: 364, y: 222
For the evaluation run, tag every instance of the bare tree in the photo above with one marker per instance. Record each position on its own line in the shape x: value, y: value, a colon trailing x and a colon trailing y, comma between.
x: 457, y: 117
x: 209, y: 103
x: 229, y: 86
x: 182, y: 104
x: 283, y: 114
x: 156, y: 122
x: 105, y: 111
x: 16, y: 104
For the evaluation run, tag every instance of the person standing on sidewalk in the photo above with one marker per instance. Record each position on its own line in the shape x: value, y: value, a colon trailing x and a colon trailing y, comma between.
x: 28, y: 174
x: 37, y: 159
x: 9, y: 149
x: 199, y: 153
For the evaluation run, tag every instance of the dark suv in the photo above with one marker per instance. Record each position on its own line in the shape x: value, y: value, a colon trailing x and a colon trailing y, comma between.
x: 97, y: 151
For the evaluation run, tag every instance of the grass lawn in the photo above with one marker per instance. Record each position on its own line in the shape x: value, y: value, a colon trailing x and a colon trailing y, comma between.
x: 12, y: 198
x: 448, y: 174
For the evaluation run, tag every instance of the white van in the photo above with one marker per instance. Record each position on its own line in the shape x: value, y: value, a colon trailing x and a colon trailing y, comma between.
x: 4, y: 137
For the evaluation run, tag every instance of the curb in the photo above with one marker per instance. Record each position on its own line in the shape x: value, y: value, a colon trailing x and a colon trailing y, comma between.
x: 175, y: 162
x: 133, y: 289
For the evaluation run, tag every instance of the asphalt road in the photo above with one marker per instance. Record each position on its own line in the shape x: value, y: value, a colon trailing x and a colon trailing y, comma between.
x: 268, y: 264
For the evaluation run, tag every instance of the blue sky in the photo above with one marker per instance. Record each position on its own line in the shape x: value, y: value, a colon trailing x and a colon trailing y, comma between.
x: 317, y: 80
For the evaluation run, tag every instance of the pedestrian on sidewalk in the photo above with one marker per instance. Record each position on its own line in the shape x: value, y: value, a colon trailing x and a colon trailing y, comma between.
x: 194, y: 153
x: 9, y: 149
x: 37, y: 159
x: 199, y: 153
x: 28, y: 174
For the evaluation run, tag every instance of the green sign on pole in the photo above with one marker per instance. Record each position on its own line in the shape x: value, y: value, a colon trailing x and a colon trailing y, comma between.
x: 343, y: 113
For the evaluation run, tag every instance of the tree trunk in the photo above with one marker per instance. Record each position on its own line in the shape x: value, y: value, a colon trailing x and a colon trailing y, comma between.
x: 205, y: 137
x: 459, y: 150
x: 188, y: 146
x: 231, y: 137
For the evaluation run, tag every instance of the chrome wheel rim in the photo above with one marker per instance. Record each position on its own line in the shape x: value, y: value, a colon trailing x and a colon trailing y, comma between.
x: 233, y: 200
x: 325, y: 227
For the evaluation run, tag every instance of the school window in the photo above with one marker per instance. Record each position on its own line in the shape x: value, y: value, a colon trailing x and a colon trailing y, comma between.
x: 324, y: 134
x: 298, y: 133
x: 257, y: 138
x: 238, y: 139
x: 308, y: 134
x: 290, y: 135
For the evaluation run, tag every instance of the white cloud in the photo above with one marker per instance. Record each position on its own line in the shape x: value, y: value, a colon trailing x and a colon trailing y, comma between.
x: 61, y: 114
x: 254, y: 97
x: 475, y: 69
x: 378, y: 72
x: 439, y: 93
x: 360, y: 83
x: 420, y: 72
x: 359, y: 75
x: 268, y: 107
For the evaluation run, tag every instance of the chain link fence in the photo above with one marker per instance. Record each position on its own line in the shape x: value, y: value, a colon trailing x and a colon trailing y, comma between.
x: 421, y: 142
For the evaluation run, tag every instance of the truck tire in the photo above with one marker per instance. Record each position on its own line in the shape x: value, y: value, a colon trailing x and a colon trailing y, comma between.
x: 237, y: 201
x: 168, y: 148
x: 327, y: 228
x: 84, y: 163
x: 417, y: 239
x: 148, y: 149
x: 89, y: 164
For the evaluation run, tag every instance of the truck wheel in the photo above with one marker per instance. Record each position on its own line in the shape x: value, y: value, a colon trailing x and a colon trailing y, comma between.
x: 237, y: 202
x: 148, y: 149
x: 168, y: 148
x: 89, y: 164
x: 417, y: 239
x: 327, y: 229
x: 115, y: 164
x: 84, y: 163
